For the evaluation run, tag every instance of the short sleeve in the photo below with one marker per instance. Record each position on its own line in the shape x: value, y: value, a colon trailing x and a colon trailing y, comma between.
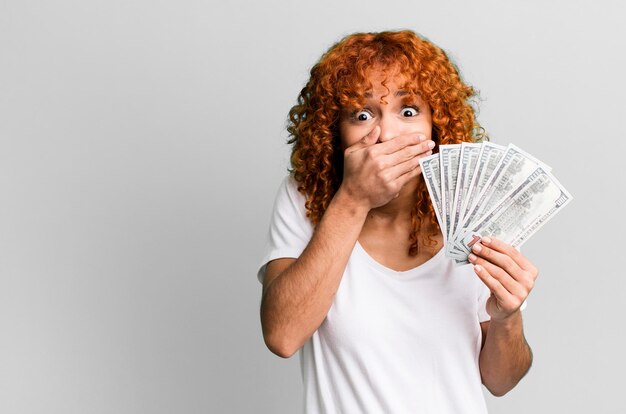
x: 290, y: 230
x: 483, y: 295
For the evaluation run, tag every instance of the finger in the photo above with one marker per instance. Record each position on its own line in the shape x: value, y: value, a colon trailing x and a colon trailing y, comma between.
x: 500, y: 259
x: 501, y: 294
x: 368, y: 140
x: 512, y: 286
x: 399, y: 142
x: 512, y: 252
x: 409, y: 152
x: 399, y: 182
x: 408, y: 166
x: 408, y: 176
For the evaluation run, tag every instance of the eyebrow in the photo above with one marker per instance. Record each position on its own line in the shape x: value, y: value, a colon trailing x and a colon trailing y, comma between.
x: 401, y: 92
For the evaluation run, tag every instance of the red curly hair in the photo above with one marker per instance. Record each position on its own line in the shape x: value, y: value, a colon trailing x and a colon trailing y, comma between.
x: 339, y: 81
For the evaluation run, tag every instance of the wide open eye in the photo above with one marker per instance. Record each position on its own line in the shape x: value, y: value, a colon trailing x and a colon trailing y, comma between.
x: 363, y: 115
x: 409, y: 111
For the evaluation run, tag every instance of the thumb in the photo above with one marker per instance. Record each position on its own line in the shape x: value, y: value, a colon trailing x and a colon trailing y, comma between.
x: 370, y: 139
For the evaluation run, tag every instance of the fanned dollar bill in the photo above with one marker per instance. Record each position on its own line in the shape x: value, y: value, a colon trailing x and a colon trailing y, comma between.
x: 512, y: 169
x: 449, y: 165
x: 488, y: 189
x: 467, y: 163
x: 489, y: 158
x: 523, y: 211
x: 432, y: 177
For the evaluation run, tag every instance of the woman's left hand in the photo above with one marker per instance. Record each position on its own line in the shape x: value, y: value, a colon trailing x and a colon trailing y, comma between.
x: 506, y: 272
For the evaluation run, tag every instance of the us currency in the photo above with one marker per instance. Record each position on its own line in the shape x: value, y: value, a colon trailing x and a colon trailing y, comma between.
x: 513, y: 169
x: 489, y: 158
x: 432, y: 177
x: 467, y: 164
x: 449, y: 159
x: 522, y: 211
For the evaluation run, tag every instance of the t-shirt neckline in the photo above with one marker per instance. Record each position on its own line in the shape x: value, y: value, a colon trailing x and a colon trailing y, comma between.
x: 416, y: 271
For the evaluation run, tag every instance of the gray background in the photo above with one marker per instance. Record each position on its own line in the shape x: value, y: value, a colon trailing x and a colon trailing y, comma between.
x: 142, y: 143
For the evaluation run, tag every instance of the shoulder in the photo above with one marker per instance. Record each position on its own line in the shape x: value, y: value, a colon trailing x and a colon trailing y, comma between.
x: 288, y: 198
x: 289, y: 229
x: 290, y: 205
x: 288, y: 191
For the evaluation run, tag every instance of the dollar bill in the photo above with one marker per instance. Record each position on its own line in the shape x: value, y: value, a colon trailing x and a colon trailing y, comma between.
x: 487, y: 189
x: 525, y: 209
x: 467, y: 164
x: 449, y: 159
x: 488, y: 159
x: 513, y: 168
x: 432, y: 177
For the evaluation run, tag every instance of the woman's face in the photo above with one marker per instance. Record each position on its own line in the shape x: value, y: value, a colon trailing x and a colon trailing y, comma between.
x: 401, y: 114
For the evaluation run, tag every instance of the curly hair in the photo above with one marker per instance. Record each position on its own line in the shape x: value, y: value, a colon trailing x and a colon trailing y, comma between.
x: 340, y: 80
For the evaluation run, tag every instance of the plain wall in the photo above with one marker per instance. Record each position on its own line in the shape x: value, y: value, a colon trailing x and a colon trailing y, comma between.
x: 141, y: 146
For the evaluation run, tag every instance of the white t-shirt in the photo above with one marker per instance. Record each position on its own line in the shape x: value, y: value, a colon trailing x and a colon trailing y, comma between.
x: 392, y: 342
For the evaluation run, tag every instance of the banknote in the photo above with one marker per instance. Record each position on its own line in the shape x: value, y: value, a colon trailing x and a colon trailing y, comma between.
x: 522, y: 211
x: 480, y: 189
x: 512, y: 169
x: 490, y: 156
x: 449, y: 160
x: 432, y: 177
x: 467, y: 163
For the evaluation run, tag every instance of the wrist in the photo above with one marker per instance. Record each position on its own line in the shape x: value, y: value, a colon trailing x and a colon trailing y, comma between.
x: 355, y: 206
x: 510, y: 322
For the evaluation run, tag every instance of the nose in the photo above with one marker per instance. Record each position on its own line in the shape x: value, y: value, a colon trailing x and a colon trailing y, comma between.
x: 388, y: 128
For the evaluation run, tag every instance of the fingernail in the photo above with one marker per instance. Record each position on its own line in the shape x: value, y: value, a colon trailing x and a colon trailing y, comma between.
x: 471, y: 257
x: 485, y: 240
x: 422, y: 138
x: 431, y: 144
x: 477, y: 248
x: 478, y: 268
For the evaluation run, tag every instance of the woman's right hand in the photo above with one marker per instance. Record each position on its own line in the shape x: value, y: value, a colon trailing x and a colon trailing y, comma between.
x: 375, y: 173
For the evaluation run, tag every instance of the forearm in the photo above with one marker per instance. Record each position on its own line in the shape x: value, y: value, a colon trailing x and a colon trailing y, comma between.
x: 297, y: 301
x: 506, y: 356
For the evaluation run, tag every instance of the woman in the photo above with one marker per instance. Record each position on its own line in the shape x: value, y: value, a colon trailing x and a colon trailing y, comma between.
x: 355, y: 276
